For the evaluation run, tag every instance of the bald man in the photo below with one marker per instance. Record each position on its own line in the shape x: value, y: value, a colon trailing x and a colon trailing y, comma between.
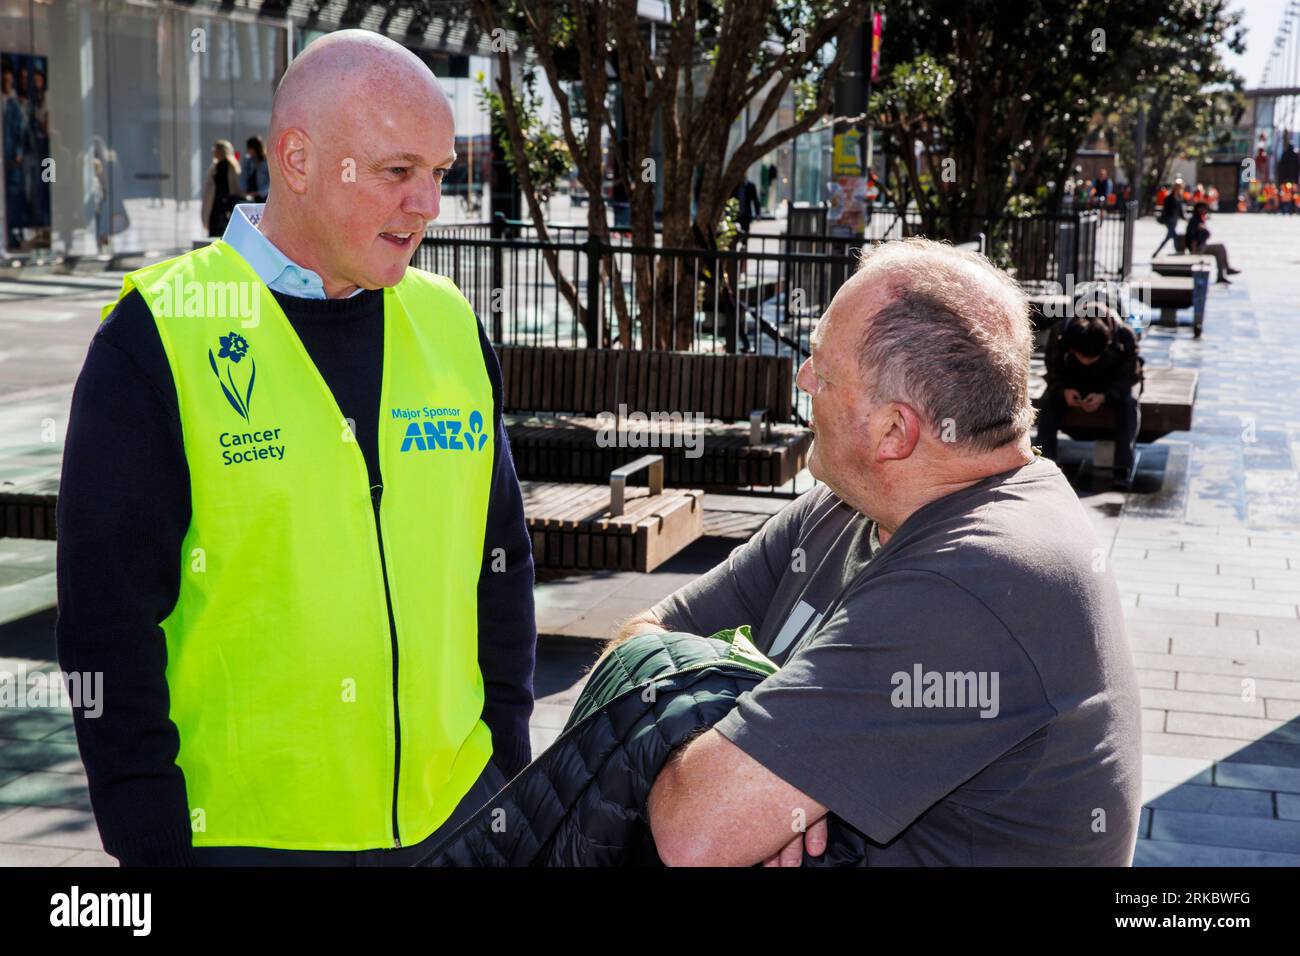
x: 290, y: 533
x: 954, y: 682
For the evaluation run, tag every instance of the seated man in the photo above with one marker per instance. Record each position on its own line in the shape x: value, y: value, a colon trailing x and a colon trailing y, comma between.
x: 954, y: 681
x: 1092, y: 361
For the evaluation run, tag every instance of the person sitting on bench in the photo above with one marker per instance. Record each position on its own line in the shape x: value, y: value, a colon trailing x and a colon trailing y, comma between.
x: 1092, y: 361
x: 1198, y: 235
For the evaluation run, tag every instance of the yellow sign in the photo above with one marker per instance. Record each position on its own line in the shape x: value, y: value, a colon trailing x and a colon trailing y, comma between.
x: 845, y: 160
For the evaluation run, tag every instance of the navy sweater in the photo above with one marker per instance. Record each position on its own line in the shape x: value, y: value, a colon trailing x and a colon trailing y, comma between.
x: 124, y: 509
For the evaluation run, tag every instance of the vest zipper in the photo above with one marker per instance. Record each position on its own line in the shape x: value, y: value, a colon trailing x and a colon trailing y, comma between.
x: 376, y: 492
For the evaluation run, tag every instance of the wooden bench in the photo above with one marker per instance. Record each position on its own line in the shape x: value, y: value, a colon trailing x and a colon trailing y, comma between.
x: 1168, y: 397
x: 598, y: 527
x: 27, y: 508
x: 1180, y: 266
x: 1169, y: 294
x: 611, y: 527
x: 734, y: 409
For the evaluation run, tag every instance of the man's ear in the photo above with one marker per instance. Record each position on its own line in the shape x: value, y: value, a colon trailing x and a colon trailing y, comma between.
x: 291, y: 153
x: 899, y: 431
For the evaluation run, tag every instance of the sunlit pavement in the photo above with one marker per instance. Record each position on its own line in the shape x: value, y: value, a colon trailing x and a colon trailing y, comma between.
x: 1206, y: 550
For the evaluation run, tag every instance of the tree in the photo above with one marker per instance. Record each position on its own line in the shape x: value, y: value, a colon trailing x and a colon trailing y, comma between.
x: 988, y: 101
x: 694, y: 77
x: 545, y: 151
x: 1186, y: 91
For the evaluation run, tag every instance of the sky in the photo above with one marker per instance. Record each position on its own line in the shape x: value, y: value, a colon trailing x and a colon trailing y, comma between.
x: 1262, y: 18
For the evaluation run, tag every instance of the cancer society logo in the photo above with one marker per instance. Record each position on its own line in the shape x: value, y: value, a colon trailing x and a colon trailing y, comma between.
x: 234, y: 349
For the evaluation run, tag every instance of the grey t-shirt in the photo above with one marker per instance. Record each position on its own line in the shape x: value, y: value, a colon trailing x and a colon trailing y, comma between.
x: 965, y: 695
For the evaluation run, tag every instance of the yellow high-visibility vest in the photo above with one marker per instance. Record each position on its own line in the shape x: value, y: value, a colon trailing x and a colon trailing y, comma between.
x: 322, y: 656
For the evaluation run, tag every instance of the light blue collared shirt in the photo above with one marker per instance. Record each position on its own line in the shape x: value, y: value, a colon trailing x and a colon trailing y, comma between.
x: 272, y: 266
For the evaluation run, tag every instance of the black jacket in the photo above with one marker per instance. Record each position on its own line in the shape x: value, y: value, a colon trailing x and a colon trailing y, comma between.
x: 1288, y: 167
x: 1114, y: 374
x: 1172, y: 211
x: 582, y: 802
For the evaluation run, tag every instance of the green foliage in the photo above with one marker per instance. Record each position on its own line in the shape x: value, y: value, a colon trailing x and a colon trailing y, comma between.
x: 729, y: 224
x: 1009, y: 90
x: 545, y: 150
x: 915, y: 91
x: 1185, y: 90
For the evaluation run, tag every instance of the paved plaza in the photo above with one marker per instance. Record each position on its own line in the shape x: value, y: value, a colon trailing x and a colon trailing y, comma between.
x: 1206, y: 549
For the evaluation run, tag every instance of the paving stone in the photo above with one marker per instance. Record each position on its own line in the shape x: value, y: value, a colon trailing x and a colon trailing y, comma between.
x: 1220, y: 725
x: 51, y: 826
x: 1236, y: 558
x: 1230, y: 684
x: 28, y: 597
x: 1261, y: 655
x: 1177, y: 770
x: 1276, y: 623
x: 1166, y: 853
x: 1148, y: 677
x: 1242, y: 608
x: 1231, y: 801
x: 1283, y: 666
x: 1246, y: 636
x: 47, y: 790
x: 32, y: 724
x: 541, y: 739
x: 1288, y: 806
x: 1285, y: 640
x: 39, y: 755
x: 1267, y: 752
x: 1230, y: 704
x: 1230, y: 773
x: 550, y: 716
x: 1235, y: 593
x: 1171, y: 615
x: 27, y: 552
x: 90, y: 858
x: 1153, y: 588
x: 1190, y: 745
x: 1179, y: 576
x: 1149, y: 643
x: 1218, y: 645
x: 1241, y: 832
x: 17, y: 854
x: 1153, y: 720
x: 1283, y: 580
x: 1282, y: 709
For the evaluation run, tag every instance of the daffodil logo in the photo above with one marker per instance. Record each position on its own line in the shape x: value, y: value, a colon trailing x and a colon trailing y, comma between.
x: 234, y: 349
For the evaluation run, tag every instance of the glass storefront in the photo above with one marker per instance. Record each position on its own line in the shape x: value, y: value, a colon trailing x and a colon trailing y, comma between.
x: 812, y: 166
x: 111, y: 109
x: 110, y: 154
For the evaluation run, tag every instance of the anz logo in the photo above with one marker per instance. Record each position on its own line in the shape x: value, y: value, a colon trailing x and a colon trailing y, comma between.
x: 445, y: 432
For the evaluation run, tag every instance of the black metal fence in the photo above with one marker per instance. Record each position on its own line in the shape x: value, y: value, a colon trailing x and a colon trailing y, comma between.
x: 611, y: 293
x: 763, y: 295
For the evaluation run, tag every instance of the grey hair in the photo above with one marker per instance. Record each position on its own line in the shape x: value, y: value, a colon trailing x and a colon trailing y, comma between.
x: 953, y: 341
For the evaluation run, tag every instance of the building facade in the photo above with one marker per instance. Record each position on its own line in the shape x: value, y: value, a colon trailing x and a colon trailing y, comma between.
x: 111, y: 109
